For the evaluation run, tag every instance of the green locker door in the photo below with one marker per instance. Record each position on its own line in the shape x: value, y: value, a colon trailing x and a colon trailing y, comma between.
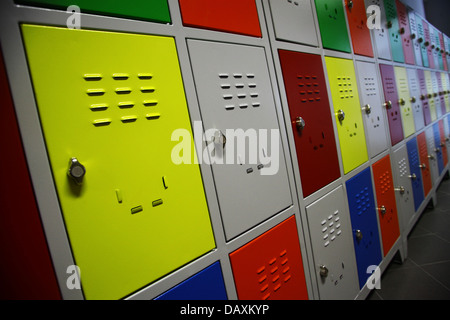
x: 394, y: 31
x: 347, y: 109
x: 404, y: 100
x: 332, y: 24
x: 111, y: 101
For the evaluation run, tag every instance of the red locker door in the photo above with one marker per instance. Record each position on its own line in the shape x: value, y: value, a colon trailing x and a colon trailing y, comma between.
x: 270, y: 267
x: 311, y: 119
x: 360, y: 34
x: 387, y: 208
x: 405, y: 32
x: 424, y: 163
x: 26, y: 270
x: 234, y: 16
x: 443, y: 145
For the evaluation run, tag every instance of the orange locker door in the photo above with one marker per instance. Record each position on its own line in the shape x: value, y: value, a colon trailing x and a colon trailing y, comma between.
x: 360, y: 34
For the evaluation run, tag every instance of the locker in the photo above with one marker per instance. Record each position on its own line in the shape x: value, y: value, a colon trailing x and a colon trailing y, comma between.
x: 427, y: 43
x: 424, y: 96
x: 360, y: 34
x: 386, y: 203
x: 446, y: 90
x: 333, y: 25
x: 442, y: 54
x: 155, y: 10
x: 380, y: 36
x: 415, y: 37
x: 447, y: 49
x: 421, y: 40
x: 206, y: 285
x: 416, y: 103
x: 118, y: 188
x: 294, y: 21
x: 233, y: 16
x: 443, y: 145
x: 331, y: 238
x: 415, y: 171
x: 270, y: 267
x: 424, y: 163
x: 392, y: 103
x: 434, y: 35
x: 393, y: 28
x: 403, y: 186
x: 405, y: 32
x: 372, y: 108
x: 438, y: 148
x: 440, y: 96
x: 435, y: 93
x: 344, y: 93
x: 366, y: 239
x: 431, y: 94
x: 26, y: 272
x: 404, y: 101
x: 311, y: 119
x: 432, y: 154
x: 446, y: 121
x: 235, y: 95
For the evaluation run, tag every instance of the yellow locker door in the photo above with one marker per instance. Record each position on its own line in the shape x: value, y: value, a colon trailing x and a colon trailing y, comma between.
x: 344, y: 93
x: 404, y: 101
x: 108, y: 104
x: 430, y: 91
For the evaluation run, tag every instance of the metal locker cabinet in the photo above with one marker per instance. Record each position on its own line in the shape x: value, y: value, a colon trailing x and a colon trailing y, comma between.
x: 360, y: 34
x: 424, y: 96
x: 344, y: 92
x: 431, y: 98
x: 380, y: 36
x: 131, y: 213
x: 404, y: 101
x: 333, y: 25
x: 372, y: 107
x: 386, y: 203
x: 393, y: 30
x: 27, y: 272
x: 294, y: 21
x: 270, y: 267
x: 427, y: 43
x: 414, y: 37
x: 364, y: 222
x: 442, y: 52
x: 405, y: 32
x: 440, y: 95
x: 234, y: 16
x: 416, y: 102
x: 437, y: 147
x: 421, y: 40
x: 415, y: 170
x: 235, y: 95
x: 311, y: 119
x: 429, y: 133
x: 332, y: 248
x: 424, y: 163
x: 155, y: 10
x: 443, y: 145
x: 206, y: 285
x: 391, y: 103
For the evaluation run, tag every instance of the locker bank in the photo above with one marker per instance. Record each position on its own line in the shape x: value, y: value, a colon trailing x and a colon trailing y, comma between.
x: 224, y: 150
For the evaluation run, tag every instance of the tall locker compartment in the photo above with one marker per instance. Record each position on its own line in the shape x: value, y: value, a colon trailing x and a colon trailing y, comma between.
x: 115, y: 205
x: 438, y: 148
x: 333, y: 25
x: 415, y: 37
x: 443, y: 144
x: 404, y: 101
x: 415, y: 172
x: 441, y: 51
x: 294, y: 21
x: 332, y: 246
x: 424, y: 163
x: 360, y: 34
x: 416, y: 102
x: 386, y: 203
x: 372, y: 107
x: 363, y: 215
x: 424, y: 96
x: 427, y: 43
x: 344, y: 93
x: 446, y: 90
x: 432, y: 154
x: 436, y: 96
x: 431, y: 94
x: 311, y: 120
x: 392, y: 103
x: 380, y: 35
x: 434, y: 37
x: 393, y: 29
x: 236, y: 100
x: 405, y: 32
x: 440, y: 96
x: 421, y: 40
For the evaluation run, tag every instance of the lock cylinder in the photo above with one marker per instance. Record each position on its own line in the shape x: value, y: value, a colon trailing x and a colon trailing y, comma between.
x: 76, y: 171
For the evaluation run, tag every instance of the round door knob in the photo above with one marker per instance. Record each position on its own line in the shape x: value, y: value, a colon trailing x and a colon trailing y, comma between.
x: 423, y: 166
x: 442, y: 144
x: 413, y: 35
x: 401, y: 102
x: 382, y: 209
x: 430, y: 96
x: 350, y: 4
x: 388, y: 104
x: 358, y: 235
x: 219, y: 138
x: 76, y: 171
x: 400, y: 189
x: 413, y: 99
x: 368, y: 108
x: 341, y: 115
x: 426, y: 43
x: 420, y: 40
x: 389, y: 24
x: 437, y: 150
x: 402, y: 30
x: 300, y: 123
x: 430, y: 156
x: 412, y: 176
x: 423, y: 97
x: 323, y: 270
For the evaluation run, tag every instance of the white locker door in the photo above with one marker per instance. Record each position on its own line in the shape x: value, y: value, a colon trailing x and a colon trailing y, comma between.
x: 381, y: 36
x: 436, y: 97
x: 415, y: 37
x: 416, y: 103
x: 429, y: 133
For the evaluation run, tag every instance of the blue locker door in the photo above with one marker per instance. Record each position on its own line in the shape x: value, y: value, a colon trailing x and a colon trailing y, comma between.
x: 206, y: 285
x: 363, y: 217
x: 415, y: 171
x: 437, y: 143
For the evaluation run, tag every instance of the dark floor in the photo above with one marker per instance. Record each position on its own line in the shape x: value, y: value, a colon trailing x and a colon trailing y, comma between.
x: 425, y: 274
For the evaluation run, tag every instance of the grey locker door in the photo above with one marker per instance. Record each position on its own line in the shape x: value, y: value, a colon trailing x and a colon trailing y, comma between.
x: 332, y: 244
x: 416, y: 102
x: 381, y: 36
x: 402, y: 185
x: 435, y: 93
x: 294, y: 21
x: 415, y: 37
x: 235, y: 95
x: 371, y: 104
x: 429, y: 133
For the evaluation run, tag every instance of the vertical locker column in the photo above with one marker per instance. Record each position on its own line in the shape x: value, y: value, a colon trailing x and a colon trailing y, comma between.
x: 427, y: 43
x: 311, y: 120
x: 431, y: 97
x: 434, y: 37
x: 372, y: 108
x: 415, y: 37
x: 415, y: 172
x: 432, y: 154
x: 421, y: 40
x: 391, y: 103
x: 380, y: 35
x: 446, y: 90
x: 424, y: 163
x: 386, y: 203
x: 440, y: 94
x: 360, y: 34
x: 442, y: 52
x: 424, y: 96
x: 237, y: 106
x: 332, y: 248
x: 416, y: 102
x: 404, y: 101
x: 393, y: 30
x: 435, y: 94
x: 344, y: 93
x: 405, y: 32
